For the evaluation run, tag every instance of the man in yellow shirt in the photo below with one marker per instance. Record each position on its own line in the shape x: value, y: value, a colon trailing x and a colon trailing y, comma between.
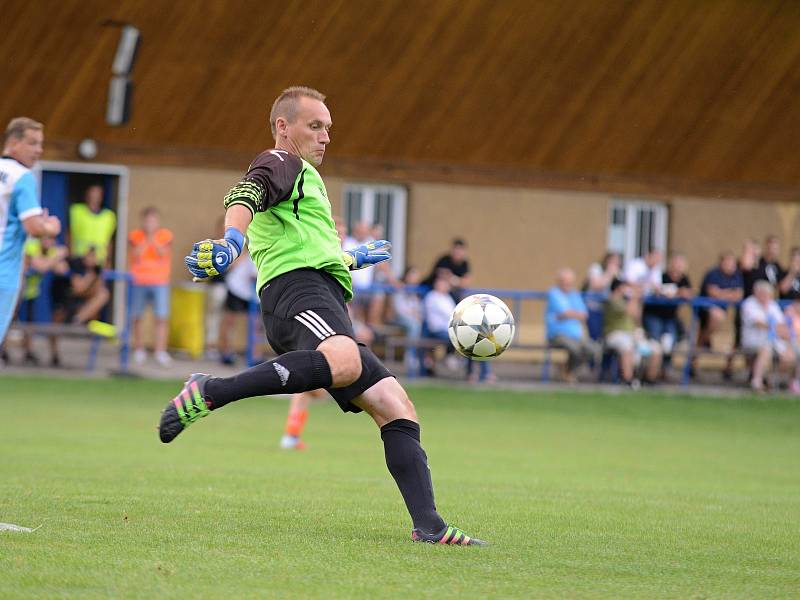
x: 91, y: 225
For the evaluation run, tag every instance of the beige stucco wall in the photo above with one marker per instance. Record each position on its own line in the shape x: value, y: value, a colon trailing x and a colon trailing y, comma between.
x: 517, y: 238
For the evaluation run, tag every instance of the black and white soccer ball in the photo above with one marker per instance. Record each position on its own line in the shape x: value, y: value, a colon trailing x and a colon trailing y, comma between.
x: 481, y: 327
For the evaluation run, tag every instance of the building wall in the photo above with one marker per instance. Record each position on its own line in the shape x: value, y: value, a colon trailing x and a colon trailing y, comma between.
x: 517, y: 237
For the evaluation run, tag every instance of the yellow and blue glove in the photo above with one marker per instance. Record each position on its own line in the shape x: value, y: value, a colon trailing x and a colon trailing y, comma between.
x: 367, y: 254
x: 209, y: 258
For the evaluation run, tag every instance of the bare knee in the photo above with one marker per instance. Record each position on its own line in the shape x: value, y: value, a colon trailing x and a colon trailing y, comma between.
x: 344, y: 359
x: 387, y: 401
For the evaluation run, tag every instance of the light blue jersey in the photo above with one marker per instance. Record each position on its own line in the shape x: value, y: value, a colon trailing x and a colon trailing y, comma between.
x: 18, y: 201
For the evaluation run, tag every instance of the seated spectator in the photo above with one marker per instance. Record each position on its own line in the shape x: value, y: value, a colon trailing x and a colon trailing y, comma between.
x: 661, y: 321
x: 645, y: 272
x: 409, y: 315
x: 565, y: 316
x: 765, y: 335
x: 240, y: 281
x: 790, y: 286
x: 438, y: 305
x: 454, y: 266
x: 598, y: 281
x: 792, y: 314
x: 150, y: 254
x: 620, y: 320
x: 42, y: 256
x: 725, y: 283
x: 80, y: 296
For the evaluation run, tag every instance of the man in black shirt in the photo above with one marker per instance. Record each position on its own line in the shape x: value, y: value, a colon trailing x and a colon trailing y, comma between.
x: 454, y: 266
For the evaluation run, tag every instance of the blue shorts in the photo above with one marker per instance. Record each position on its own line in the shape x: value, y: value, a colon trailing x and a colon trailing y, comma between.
x: 156, y: 296
x: 8, y: 305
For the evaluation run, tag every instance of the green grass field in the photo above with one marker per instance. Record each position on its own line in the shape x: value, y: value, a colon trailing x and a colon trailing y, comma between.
x: 581, y: 495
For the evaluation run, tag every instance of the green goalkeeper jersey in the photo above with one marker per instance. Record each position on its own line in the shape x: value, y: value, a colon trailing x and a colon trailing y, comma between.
x: 292, y: 226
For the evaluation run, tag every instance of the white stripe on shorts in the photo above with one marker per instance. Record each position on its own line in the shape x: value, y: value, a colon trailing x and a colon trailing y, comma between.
x: 315, y: 329
x: 320, y: 321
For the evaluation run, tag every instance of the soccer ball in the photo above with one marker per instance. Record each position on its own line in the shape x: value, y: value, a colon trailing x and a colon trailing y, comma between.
x: 481, y: 327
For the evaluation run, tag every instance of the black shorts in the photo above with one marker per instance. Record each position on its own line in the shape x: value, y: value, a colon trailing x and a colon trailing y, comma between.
x: 301, y: 309
x: 235, y: 304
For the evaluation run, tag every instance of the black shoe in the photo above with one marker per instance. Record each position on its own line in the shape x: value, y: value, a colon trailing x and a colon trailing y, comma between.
x: 30, y: 359
x: 450, y: 535
x: 185, y: 408
x: 55, y: 361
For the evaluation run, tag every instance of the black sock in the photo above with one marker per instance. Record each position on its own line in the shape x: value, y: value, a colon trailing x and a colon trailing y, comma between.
x: 290, y: 373
x: 408, y: 464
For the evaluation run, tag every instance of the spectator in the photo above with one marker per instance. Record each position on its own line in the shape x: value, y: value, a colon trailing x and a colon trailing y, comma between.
x: 792, y: 314
x: 454, y: 266
x: 240, y: 281
x: 661, y: 321
x: 724, y: 283
x: 598, y: 282
x: 765, y: 334
x: 42, y: 256
x: 790, y: 286
x: 409, y: 315
x: 92, y: 226
x: 216, y: 292
x: 362, y: 305
x: 150, y: 253
x: 439, y: 305
x: 645, y: 272
x: 80, y: 296
x: 769, y: 267
x: 622, y: 312
x: 565, y: 316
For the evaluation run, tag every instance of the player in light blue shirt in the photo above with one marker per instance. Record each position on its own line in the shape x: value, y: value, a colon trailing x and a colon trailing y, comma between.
x: 21, y: 213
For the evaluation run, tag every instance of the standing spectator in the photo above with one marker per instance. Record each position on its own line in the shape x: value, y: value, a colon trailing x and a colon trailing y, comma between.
x: 21, y: 213
x: 92, y: 226
x: 765, y: 334
x: 661, y: 321
x: 362, y: 304
x: 598, y: 283
x: 240, y: 281
x: 454, y: 266
x: 409, y: 315
x: 216, y: 292
x: 645, y: 272
x: 725, y: 283
x: 565, y: 316
x: 150, y: 263
x: 622, y: 313
x: 790, y: 286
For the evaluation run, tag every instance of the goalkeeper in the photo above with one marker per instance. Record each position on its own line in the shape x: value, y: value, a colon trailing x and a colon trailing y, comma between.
x: 304, y: 284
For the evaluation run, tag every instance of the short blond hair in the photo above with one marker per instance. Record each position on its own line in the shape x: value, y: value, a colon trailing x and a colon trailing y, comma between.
x: 285, y: 104
x: 18, y: 126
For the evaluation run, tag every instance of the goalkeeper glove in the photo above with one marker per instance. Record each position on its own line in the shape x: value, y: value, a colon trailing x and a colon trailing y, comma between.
x: 213, y: 257
x: 367, y: 254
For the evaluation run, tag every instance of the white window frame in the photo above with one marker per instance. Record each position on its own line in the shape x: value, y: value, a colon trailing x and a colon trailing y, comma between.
x: 121, y: 244
x: 398, y: 208
x: 632, y: 208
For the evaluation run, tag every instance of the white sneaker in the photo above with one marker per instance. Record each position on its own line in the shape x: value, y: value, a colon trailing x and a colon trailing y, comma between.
x: 163, y: 359
x: 292, y: 442
x: 139, y: 356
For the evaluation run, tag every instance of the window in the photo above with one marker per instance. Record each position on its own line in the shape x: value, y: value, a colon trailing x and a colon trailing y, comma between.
x: 383, y: 205
x: 634, y: 227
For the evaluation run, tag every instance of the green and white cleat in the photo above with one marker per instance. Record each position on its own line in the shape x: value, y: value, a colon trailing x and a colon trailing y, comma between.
x: 452, y: 536
x: 185, y: 408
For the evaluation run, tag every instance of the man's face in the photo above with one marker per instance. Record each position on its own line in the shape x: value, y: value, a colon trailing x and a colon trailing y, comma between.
x: 566, y: 280
x: 94, y: 197
x: 728, y: 264
x: 27, y: 149
x: 150, y: 222
x: 308, y: 134
x: 773, y: 249
x: 458, y: 253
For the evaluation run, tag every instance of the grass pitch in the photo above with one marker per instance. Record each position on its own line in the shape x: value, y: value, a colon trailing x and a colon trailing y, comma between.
x: 582, y: 496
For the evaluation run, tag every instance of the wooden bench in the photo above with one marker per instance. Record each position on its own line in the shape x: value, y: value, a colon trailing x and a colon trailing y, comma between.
x: 70, y: 330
